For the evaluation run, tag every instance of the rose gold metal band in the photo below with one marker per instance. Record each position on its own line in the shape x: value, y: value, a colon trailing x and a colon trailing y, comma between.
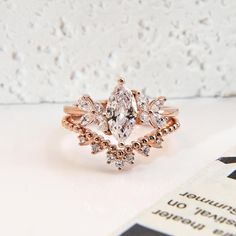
x: 153, y: 138
x: 165, y: 111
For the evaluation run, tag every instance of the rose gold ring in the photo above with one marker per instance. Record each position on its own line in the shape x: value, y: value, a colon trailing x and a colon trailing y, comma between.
x: 118, y: 116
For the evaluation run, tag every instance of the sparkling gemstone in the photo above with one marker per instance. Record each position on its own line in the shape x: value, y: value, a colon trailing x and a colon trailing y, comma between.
x: 158, y: 120
x: 130, y: 158
x: 86, y: 119
x: 142, y: 101
x: 84, y: 104
x: 110, y: 157
x: 96, y: 148
x: 119, y: 164
x: 98, y: 107
x: 159, y: 142
x: 121, y: 113
x: 155, y: 106
x: 82, y: 139
x: 102, y: 123
x: 144, y: 117
x: 145, y: 150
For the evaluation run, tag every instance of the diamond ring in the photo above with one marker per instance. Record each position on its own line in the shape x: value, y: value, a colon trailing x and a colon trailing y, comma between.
x: 117, y: 117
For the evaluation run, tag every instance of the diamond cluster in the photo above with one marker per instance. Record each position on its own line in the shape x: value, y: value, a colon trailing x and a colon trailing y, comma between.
x: 149, y: 111
x: 120, y: 114
x: 94, y: 113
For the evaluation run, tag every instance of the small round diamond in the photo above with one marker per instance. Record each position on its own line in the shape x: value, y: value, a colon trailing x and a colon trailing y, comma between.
x: 110, y: 157
x: 119, y: 164
x: 96, y: 148
x: 82, y: 139
x: 159, y: 141
x: 146, y: 150
x: 130, y: 158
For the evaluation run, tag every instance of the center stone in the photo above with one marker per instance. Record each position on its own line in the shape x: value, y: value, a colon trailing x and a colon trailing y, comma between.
x: 121, y: 113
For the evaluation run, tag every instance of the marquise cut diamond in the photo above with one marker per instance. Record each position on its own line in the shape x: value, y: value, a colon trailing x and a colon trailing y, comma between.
x: 121, y: 113
x: 84, y: 104
x: 158, y: 120
x: 86, y: 119
x: 102, y: 123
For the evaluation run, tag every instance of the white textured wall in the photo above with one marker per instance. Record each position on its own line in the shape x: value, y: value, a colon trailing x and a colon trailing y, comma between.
x: 55, y: 50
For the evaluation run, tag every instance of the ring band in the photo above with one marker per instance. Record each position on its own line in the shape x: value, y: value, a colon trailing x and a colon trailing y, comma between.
x: 117, y: 116
x: 76, y: 111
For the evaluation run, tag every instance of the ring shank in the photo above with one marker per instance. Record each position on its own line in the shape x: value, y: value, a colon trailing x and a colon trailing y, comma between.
x: 70, y: 123
x: 165, y: 111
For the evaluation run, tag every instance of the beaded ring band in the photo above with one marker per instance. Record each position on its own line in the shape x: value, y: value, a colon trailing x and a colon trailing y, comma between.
x: 117, y: 116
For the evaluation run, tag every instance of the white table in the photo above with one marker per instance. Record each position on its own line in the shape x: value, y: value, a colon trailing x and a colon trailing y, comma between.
x: 50, y: 186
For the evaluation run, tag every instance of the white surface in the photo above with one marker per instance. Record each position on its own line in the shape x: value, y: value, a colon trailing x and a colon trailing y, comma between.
x: 53, y: 50
x: 50, y: 186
